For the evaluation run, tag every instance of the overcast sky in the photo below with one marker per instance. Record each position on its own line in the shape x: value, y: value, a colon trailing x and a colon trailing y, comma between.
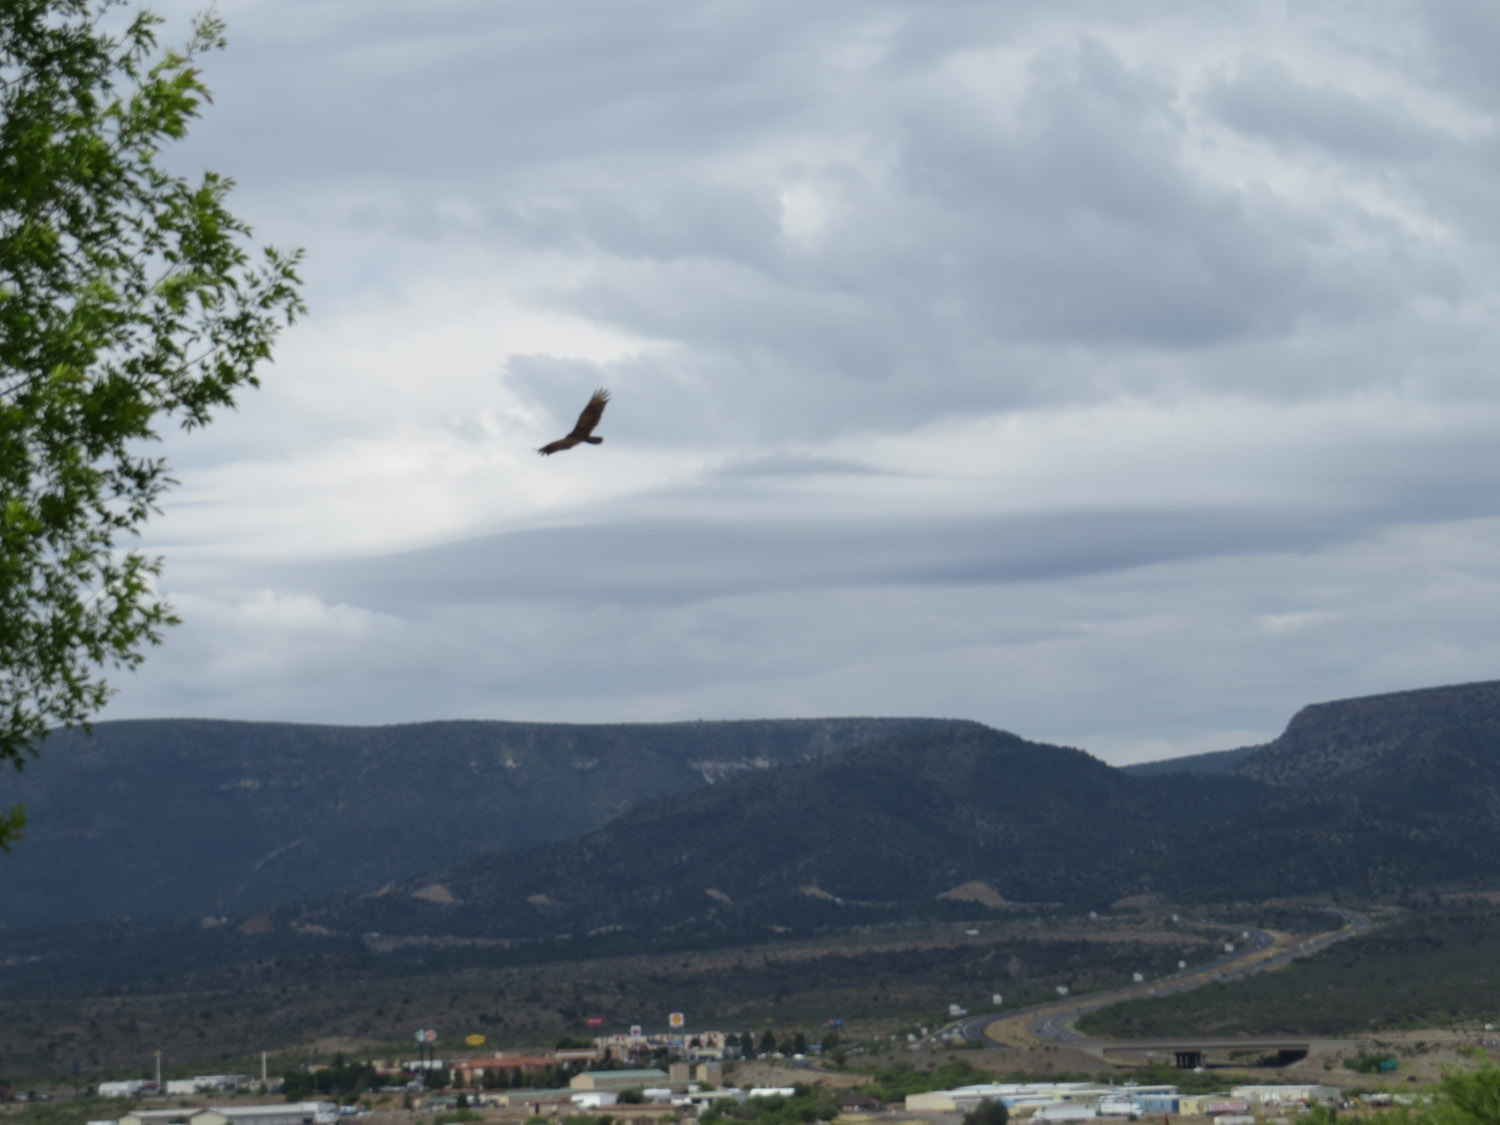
x: 1121, y: 375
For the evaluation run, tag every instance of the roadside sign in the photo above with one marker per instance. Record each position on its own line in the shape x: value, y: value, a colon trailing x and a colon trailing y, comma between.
x: 676, y: 1019
x: 474, y: 1040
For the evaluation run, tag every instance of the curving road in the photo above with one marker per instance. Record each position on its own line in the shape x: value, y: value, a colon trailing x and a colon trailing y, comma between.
x: 1052, y: 1021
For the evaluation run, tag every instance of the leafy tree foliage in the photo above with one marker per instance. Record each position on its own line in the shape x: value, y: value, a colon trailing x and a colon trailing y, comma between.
x: 127, y: 297
x: 343, y: 1081
x: 805, y: 1106
x: 1365, y: 1063
x: 1463, y: 1098
x: 991, y: 1111
x: 1471, y: 1097
x: 895, y: 1083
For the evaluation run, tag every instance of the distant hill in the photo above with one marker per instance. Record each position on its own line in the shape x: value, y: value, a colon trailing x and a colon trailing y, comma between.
x: 699, y: 832
x: 966, y: 817
x: 1429, y: 737
x: 1215, y: 761
x: 181, y: 818
x: 957, y: 820
x: 1369, y: 742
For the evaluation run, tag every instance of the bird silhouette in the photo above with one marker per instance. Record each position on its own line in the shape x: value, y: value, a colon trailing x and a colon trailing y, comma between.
x: 583, y: 429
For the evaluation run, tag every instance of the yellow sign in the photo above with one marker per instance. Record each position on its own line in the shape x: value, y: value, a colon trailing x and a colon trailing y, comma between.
x: 676, y: 1019
x: 474, y: 1040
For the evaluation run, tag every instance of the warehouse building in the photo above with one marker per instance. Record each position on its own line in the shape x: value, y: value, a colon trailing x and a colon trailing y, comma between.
x: 293, y: 1113
x: 618, y: 1079
x: 188, y: 1115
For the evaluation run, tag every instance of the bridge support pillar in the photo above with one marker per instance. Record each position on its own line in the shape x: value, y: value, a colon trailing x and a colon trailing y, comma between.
x: 1188, y: 1060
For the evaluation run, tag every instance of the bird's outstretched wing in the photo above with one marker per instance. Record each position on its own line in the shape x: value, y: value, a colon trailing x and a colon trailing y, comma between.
x: 583, y: 429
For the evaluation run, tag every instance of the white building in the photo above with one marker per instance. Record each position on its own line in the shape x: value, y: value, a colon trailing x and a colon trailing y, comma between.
x: 593, y: 1099
x: 204, y: 1084
x: 1065, y: 1111
x: 702, y: 1099
x: 1016, y: 1095
x: 125, y: 1088
x: 1291, y: 1094
x: 294, y: 1113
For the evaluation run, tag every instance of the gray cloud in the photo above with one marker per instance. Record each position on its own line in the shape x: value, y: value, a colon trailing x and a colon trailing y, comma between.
x: 1117, y: 374
x: 1270, y: 102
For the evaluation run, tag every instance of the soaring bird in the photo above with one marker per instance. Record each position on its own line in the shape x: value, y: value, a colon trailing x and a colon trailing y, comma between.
x: 583, y: 429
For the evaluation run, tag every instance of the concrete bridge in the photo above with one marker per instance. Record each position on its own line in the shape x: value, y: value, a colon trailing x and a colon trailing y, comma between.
x: 1191, y: 1054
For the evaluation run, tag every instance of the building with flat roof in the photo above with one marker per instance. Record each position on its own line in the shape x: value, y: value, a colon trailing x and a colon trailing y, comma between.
x: 186, y: 1115
x: 287, y: 1113
x: 618, y: 1079
x: 1288, y: 1094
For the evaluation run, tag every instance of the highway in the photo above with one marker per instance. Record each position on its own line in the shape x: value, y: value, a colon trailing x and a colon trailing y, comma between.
x: 1052, y: 1021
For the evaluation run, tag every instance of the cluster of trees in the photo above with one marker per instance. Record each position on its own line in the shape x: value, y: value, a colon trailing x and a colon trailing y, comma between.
x: 806, y: 1105
x: 1463, y: 1098
x: 991, y: 1111
x: 541, y: 1078
x: 343, y: 1081
x: 895, y: 1083
x: 1367, y: 1064
x: 790, y: 1043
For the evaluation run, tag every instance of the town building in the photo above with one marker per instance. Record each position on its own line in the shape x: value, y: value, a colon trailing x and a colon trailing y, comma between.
x: 287, y: 1113
x: 1291, y: 1094
x: 187, y: 1115
x: 618, y: 1079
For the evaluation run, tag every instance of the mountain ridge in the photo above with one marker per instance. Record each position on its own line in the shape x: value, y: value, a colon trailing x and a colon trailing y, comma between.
x: 159, y: 819
x: 938, y: 809
x: 154, y: 819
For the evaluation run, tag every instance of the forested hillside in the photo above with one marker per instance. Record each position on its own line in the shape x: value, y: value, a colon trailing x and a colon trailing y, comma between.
x: 185, y: 818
